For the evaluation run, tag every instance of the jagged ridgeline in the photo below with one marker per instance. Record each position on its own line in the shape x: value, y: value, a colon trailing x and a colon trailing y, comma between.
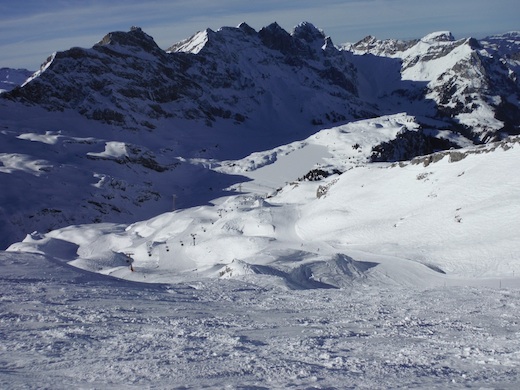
x: 240, y: 74
x: 235, y: 73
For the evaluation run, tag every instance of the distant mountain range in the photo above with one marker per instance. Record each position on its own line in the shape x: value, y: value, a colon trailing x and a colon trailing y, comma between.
x: 126, y: 130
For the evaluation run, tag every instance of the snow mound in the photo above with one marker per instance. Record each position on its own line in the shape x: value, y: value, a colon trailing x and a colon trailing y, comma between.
x: 338, y: 271
x: 13, y: 162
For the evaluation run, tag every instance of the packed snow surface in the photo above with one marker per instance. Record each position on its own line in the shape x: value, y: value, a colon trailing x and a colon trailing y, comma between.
x: 62, y: 328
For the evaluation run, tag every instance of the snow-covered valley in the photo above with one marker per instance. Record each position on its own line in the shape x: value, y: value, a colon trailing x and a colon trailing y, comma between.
x: 263, y: 210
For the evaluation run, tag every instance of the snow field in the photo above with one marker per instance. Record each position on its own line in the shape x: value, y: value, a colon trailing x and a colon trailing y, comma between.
x: 457, y: 216
x: 416, y: 223
x: 63, y: 327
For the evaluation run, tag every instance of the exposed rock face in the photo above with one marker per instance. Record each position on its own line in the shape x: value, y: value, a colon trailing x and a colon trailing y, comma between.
x: 408, y: 145
x: 455, y: 155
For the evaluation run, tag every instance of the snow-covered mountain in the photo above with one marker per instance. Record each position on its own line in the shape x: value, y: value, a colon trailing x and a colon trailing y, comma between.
x: 263, y: 210
x: 127, y: 80
x: 126, y: 130
x: 473, y: 82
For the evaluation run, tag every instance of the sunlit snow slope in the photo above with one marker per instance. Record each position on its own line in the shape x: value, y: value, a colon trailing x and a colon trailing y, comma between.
x: 447, y: 218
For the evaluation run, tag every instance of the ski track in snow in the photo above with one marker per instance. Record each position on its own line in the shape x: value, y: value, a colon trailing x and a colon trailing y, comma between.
x: 64, y: 328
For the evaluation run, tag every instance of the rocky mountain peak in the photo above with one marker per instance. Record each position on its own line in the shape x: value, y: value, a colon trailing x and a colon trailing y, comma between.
x: 134, y: 40
x: 328, y: 45
x: 193, y: 44
x: 387, y: 47
x: 276, y: 38
x: 368, y: 40
x: 308, y: 32
x: 247, y: 29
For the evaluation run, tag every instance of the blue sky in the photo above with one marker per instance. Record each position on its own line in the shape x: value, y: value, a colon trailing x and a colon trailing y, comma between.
x: 30, y: 30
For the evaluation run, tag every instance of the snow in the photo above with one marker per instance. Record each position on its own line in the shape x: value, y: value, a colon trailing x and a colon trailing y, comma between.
x: 11, y: 162
x: 64, y: 328
x: 194, y: 44
x: 98, y: 163
x: 482, y: 116
x: 42, y: 69
x: 422, y: 215
x: 426, y: 214
x: 11, y: 78
x: 49, y: 137
x: 438, y: 36
x: 431, y: 70
x: 453, y: 72
x: 113, y: 149
x: 341, y: 148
